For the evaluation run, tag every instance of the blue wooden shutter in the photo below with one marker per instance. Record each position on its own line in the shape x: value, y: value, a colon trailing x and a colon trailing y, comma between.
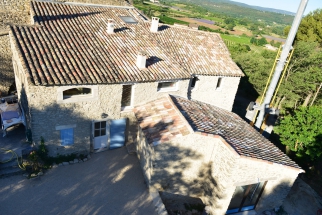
x: 117, y: 132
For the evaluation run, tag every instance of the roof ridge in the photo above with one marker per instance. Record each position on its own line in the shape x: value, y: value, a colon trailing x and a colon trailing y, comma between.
x: 82, y: 4
x: 253, y: 145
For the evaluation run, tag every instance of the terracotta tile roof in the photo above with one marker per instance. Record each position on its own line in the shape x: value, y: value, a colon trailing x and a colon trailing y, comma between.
x: 242, y: 137
x: 160, y: 121
x: 69, y: 44
x: 208, y: 120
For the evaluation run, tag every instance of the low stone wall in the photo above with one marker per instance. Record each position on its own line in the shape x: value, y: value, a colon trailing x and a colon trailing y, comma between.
x: 6, y: 69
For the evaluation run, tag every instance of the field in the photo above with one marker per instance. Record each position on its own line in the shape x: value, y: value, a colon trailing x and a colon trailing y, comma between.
x: 171, y: 21
x: 215, y: 27
x: 237, y: 39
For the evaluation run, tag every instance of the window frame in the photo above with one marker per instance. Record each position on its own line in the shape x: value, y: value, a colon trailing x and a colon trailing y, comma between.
x: 61, y: 128
x: 124, y: 108
x: 93, y: 96
x: 196, y: 82
x: 168, y: 89
x: 78, y: 95
x: 220, y: 82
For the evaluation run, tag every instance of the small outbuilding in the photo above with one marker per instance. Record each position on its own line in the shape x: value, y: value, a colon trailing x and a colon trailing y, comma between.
x: 195, y: 149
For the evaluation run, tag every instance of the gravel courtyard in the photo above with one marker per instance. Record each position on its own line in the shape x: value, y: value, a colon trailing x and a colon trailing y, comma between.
x: 111, y: 182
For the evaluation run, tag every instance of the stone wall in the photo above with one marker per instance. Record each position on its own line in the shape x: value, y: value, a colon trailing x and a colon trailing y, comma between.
x: 145, y: 92
x: 183, y: 167
x: 207, y: 168
x: 22, y: 85
x: 6, y: 69
x: 205, y: 91
x: 145, y: 153
x: 279, y: 179
x: 18, y: 12
x: 47, y: 114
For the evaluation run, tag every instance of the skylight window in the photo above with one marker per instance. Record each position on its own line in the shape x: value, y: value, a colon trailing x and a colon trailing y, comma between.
x: 128, y: 19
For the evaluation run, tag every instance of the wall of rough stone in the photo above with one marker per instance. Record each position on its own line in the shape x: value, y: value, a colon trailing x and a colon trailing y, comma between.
x: 205, y: 91
x: 192, y: 165
x: 145, y: 153
x: 47, y: 114
x: 21, y: 83
x: 205, y: 167
x: 6, y: 69
x: 144, y: 92
x: 279, y: 179
x: 11, y: 12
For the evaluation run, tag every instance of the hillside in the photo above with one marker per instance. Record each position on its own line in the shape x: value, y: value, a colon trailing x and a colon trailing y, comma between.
x: 264, y: 8
x: 226, y: 8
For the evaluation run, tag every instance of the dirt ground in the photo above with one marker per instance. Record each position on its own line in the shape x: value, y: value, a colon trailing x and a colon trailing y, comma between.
x: 111, y: 182
x: 302, y: 200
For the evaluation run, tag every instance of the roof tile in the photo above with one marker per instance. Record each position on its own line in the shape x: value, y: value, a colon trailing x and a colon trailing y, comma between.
x: 70, y: 45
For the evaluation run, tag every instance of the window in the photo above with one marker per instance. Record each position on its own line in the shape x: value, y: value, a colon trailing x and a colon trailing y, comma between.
x: 128, y: 19
x: 245, y: 197
x: 193, y: 82
x: 219, y: 83
x: 67, y: 136
x: 99, y: 129
x: 167, y: 86
x: 69, y: 94
x: 76, y: 92
x: 127, y: 96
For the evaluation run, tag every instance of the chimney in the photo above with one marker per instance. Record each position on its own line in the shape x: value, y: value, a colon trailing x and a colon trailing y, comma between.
x: 141, y: 60
x: 154, y: 24
x: 110, y: 26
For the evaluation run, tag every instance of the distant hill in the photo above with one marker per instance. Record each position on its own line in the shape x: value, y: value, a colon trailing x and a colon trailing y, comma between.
x: 238, y: 10
x: 263, y: 8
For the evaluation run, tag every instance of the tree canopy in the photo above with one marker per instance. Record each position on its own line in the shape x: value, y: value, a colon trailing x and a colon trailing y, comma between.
x: 310, y: 29
x: 302, y: 132
x: 303, y: 75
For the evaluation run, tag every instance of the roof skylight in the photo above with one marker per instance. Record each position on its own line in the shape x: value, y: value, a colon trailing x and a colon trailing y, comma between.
x: 128, y: 19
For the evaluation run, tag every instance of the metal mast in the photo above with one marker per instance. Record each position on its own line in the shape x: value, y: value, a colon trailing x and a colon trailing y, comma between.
x: 280, y: 65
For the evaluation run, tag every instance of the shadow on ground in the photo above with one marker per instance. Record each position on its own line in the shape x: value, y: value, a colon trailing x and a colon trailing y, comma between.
x: 109, y: 183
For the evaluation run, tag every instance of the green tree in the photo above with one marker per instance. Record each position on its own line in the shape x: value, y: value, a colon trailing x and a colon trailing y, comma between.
x: 310, y: 29
x: 303, y: 75
x: 229, y: 21
x: 230, y: 27
x: 286, y: 30
x: 262, y: 41
x: 256, y: 68
x: 301, y: 132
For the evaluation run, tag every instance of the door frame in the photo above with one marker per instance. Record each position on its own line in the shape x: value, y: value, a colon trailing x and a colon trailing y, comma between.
x: 106, y: 134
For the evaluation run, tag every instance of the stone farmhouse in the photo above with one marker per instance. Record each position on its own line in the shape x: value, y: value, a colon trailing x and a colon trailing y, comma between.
x: 79, y: 68
x: 77, y: 65
x: 192, y: 148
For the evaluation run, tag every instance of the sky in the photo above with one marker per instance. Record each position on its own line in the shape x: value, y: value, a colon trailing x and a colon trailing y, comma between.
x: 289, y: 5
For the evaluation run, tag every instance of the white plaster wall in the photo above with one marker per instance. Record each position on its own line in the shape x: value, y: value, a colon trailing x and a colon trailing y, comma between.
x: 205, y: 91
